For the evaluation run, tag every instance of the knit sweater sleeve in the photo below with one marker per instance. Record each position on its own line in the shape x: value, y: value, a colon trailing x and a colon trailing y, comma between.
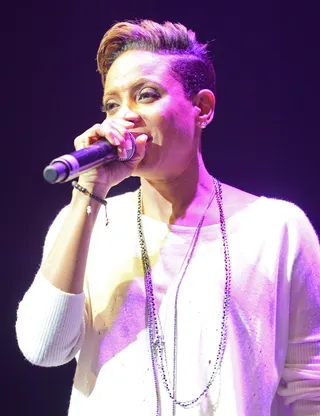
x: 50, y: 323
x: 300, y: 384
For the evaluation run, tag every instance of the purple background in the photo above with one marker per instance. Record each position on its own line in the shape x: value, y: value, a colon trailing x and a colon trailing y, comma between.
x: 264, y: 139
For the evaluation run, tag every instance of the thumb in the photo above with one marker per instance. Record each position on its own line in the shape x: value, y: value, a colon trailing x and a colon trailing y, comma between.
x: 141, y: 146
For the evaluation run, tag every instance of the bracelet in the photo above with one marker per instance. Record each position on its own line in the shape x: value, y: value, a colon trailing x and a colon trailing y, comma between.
x: 91, y: 195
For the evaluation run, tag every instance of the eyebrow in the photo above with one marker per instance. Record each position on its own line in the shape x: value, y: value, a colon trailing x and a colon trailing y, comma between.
x: 136, y: 85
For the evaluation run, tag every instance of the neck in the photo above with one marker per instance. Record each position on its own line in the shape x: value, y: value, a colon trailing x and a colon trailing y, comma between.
x: 181, y: 200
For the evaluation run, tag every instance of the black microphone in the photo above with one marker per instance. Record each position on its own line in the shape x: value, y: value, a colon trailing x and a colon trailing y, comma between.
x: 68, y: 167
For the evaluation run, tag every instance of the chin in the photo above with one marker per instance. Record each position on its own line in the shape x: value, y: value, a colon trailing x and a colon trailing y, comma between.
x: 145, y: 167
x: 151, y: 168
x: 153, y: 173
x: 145, y: 171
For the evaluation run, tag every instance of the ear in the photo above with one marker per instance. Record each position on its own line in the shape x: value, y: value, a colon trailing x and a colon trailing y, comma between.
x: 204, y: 102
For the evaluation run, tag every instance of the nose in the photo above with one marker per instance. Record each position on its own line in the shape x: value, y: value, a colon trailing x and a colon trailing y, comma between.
x: 130, y: 115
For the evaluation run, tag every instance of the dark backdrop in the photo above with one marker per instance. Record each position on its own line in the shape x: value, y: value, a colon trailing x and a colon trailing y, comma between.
x: 264, y: 139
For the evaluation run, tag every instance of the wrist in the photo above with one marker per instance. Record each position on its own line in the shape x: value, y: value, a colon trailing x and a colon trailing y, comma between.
x: 83, y: 202
x: 95, y: 189
x: 88, y: 200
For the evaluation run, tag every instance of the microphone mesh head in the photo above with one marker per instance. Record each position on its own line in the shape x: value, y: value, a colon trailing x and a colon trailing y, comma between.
x: 130, y: 152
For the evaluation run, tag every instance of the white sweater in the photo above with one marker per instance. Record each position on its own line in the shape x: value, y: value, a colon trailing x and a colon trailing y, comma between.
x: 271, y: 364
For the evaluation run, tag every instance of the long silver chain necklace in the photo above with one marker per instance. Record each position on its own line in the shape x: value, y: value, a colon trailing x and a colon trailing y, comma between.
x: 156, y: 339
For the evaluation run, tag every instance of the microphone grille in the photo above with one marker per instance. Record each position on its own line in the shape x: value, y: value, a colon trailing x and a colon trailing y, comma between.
x: 130, y: 152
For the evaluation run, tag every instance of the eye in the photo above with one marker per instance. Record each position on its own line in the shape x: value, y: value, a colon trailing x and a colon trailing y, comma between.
x: 148, y: 94
x: 109, y: 107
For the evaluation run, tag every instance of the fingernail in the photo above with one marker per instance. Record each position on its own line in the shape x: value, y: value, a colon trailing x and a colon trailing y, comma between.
x: 116, y: 141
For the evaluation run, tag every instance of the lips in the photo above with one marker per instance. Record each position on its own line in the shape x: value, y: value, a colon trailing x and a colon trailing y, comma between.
x: 135, y: 134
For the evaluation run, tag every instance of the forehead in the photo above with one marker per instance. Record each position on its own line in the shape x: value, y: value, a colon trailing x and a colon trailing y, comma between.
x: 131, y: 65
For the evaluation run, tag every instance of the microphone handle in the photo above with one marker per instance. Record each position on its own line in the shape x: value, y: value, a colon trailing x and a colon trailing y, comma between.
x: 68, y: 167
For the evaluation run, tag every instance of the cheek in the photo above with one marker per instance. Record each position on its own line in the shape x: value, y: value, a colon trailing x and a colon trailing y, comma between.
x: 182, y: 124
x: 160, y: 119
x: 173, y: 116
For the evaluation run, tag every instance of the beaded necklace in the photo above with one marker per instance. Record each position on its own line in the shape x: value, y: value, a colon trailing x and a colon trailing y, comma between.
x: 156, y: 339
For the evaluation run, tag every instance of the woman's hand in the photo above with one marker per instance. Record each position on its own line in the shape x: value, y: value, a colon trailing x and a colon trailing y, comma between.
x: 99, y: 180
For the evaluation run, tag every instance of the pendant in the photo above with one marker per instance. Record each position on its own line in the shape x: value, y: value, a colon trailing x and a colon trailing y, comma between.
x: 158, y: 344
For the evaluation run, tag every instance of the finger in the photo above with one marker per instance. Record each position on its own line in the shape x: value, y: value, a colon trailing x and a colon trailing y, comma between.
x: 115, y: 133
x: 141, y: 142
x: 86, y: 138
x: 122, y: 130
x: 118, y: 121
x: 115, y: 138
x: 120, y: 125
x: 83, y: 141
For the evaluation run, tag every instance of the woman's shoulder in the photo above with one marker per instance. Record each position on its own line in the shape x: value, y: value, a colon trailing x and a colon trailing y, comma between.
x: 236, y: 201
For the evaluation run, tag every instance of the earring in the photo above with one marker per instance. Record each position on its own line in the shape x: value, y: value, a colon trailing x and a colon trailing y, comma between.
x: 203, y: 125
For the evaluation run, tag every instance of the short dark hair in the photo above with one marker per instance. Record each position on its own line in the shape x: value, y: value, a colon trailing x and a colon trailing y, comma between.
x: 189, y: 60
